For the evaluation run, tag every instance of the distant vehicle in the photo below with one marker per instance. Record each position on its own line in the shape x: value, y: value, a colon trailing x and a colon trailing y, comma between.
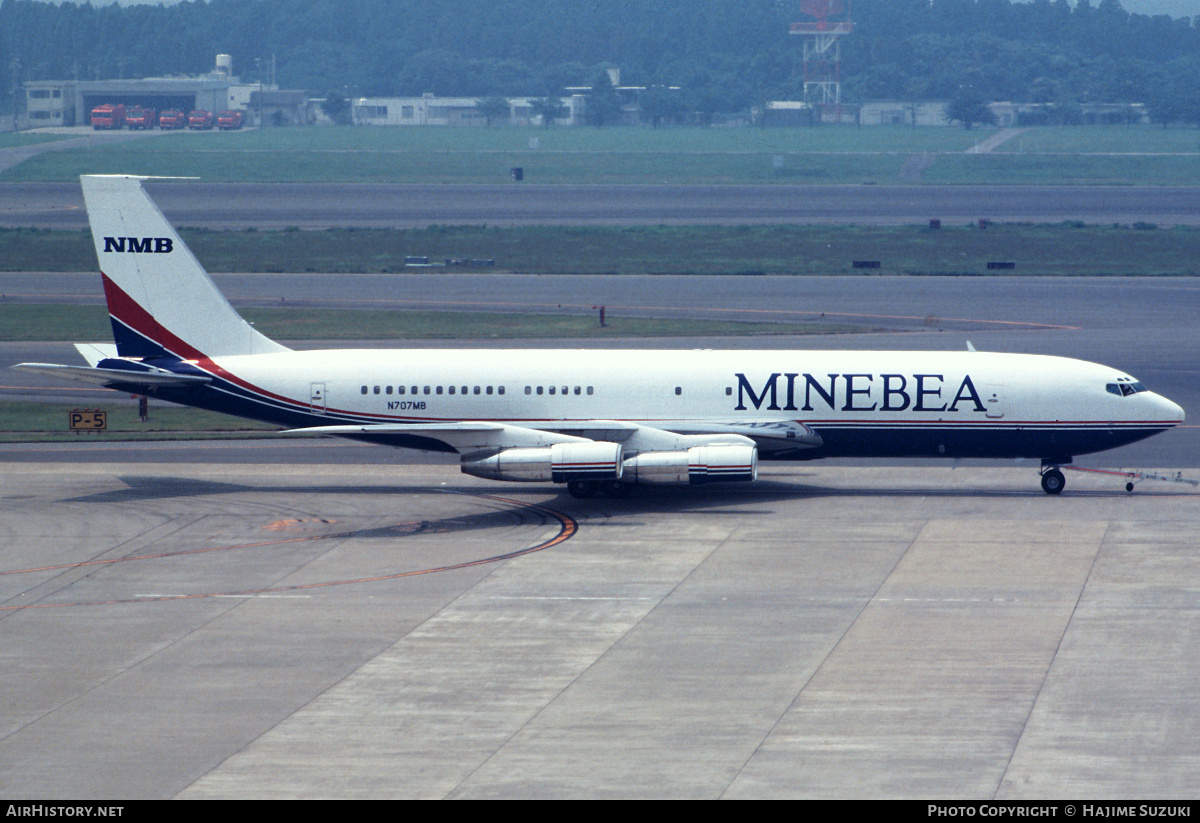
x: 201, y: 120
x: 227, y: 120
x: 140, y: 118
x: 108, y: 116
x: 172, y: 119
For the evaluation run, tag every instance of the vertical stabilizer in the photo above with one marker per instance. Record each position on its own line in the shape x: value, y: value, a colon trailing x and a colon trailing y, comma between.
x: 161, y: 300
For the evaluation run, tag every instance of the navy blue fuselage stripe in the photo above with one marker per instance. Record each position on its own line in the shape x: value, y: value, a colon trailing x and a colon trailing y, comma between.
x: 1043, y: 441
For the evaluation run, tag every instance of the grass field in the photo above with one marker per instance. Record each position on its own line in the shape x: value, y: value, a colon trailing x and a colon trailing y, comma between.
x: 9, y: 140
x: 1046, y: 249
x: 79, y: 324
x: 1119, y: 139
x: 27, y: 422
x: 434, y: 140
x: 823, y: 155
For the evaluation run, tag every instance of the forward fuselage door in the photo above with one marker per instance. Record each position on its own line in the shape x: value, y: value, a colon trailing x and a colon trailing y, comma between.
x: 316, y: 399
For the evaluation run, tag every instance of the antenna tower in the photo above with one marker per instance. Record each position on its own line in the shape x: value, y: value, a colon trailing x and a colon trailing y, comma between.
x: 822, y: 52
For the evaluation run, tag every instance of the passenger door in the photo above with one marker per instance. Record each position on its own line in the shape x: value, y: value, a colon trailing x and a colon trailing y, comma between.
x: 316, y: 399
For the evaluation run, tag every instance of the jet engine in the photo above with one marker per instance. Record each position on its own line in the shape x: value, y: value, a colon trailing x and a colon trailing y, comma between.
x: 559, y: 463
x: 697, y: 465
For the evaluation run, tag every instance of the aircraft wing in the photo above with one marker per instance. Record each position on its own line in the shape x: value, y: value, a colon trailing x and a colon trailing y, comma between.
x: 767, y: 434
x: 478, y: 436
x: 464, y: 438
x: 773, y: 437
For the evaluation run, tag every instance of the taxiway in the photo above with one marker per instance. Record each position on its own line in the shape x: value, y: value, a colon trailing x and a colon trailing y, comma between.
x: 364, y: 205
x: 332, y: 630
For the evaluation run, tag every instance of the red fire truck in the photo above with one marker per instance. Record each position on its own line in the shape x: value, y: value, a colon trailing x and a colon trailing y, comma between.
x: 108, y: 116
x: 227, y: 120
x: 201, y: 120
x: 140, y: 118
x: 172, y: 119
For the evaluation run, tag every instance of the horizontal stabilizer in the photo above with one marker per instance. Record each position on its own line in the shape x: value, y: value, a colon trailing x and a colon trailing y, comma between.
x: 108, y: 377
x: 93, y: 353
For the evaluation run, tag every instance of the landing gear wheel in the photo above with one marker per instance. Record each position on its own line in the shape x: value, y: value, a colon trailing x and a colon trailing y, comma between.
x: 617, y: 488
x: 582, y: 489
x: 1053, y: 481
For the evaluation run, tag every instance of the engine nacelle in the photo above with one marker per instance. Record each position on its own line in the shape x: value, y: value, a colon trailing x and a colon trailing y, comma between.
x: 559, y: 463
x: 697, y: 465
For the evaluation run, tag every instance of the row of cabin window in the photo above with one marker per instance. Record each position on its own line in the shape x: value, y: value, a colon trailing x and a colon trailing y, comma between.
x: 555, y: 389
x: 434, y: 390
x: 499, y: 390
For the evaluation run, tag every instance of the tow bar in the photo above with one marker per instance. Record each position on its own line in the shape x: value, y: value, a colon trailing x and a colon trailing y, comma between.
x: 1137, y: 477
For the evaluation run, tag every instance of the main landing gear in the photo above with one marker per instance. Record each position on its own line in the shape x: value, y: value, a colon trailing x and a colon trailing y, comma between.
x: 584, y: 489
x: 1053, y: 480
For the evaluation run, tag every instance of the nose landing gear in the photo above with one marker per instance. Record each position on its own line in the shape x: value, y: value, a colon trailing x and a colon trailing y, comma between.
x: 1053, y: 480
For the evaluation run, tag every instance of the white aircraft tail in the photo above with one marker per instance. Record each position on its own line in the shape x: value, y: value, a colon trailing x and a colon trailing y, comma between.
x: 161, y: 300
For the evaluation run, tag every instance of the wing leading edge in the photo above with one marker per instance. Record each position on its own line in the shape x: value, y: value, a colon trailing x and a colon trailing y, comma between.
x: 468, y: 437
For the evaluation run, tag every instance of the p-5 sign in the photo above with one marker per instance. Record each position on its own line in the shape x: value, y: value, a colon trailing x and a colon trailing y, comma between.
x: 88, y: 420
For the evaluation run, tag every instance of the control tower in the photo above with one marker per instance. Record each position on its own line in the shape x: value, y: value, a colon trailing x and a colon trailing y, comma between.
x: 829, y: 23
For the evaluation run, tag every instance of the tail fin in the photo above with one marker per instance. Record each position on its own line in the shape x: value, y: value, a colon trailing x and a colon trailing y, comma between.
x: 161, y: 300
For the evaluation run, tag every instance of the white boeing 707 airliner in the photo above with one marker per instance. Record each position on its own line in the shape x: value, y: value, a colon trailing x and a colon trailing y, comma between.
x: 595, y: 420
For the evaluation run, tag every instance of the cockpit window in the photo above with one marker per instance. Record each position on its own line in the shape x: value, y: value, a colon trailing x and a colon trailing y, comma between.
x: 1124, y: 388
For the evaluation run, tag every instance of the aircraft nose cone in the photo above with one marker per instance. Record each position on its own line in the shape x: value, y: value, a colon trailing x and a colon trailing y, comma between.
x: 1170, y: 410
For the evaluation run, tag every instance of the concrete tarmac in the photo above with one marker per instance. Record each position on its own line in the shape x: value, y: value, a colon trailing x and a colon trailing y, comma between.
x: 220, y: 631
x: 399, y: 205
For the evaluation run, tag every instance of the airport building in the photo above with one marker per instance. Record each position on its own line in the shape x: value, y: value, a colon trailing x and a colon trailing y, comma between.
x: 430, y: 110
x: 278, y: 107
x: 70, y: 102
x: 1086, y: 114
x: 934, y: 113
x: 898, y: 113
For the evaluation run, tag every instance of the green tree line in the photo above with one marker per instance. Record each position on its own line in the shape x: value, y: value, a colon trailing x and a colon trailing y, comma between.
x: 728, y: 55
